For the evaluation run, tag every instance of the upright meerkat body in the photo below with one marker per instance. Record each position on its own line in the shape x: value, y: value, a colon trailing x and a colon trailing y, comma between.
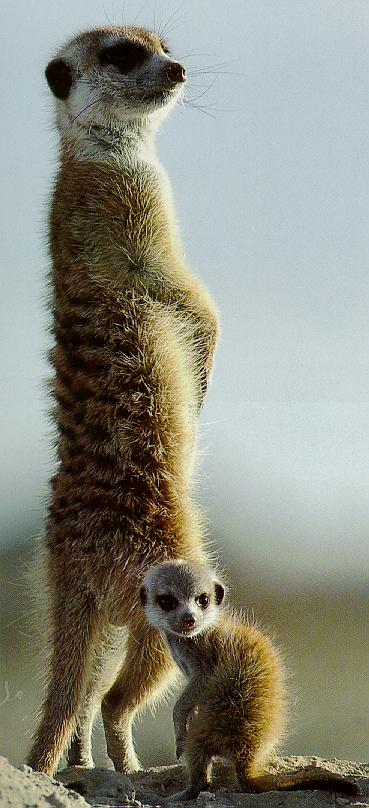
x: 135, y: 335
x: 234, y: 704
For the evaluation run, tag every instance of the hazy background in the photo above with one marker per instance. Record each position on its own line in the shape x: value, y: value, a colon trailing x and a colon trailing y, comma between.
x: 271, y: 181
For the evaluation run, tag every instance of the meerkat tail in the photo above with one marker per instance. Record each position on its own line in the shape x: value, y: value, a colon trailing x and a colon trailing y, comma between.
x: 311, y: 778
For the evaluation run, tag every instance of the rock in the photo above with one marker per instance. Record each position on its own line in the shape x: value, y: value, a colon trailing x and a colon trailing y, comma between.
x: 23, y: 788
x: 100, y: 786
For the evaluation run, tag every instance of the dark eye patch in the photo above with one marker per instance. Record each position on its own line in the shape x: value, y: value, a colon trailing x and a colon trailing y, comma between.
x: 219, y: 593
x: 164, y: 47
x: 125, y: 56
x: 167, y: 602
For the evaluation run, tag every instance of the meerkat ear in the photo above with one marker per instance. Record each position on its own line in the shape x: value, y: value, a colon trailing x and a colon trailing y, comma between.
x: 219, y: 593
x: 59, y: 78
x: 143, y: 595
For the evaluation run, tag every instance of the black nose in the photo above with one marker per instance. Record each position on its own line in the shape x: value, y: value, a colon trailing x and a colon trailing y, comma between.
x: 176, y: 72
x: 188, y: 621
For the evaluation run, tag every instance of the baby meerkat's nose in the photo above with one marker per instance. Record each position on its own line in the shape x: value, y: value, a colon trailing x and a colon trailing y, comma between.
x: 176, y: 72
x: 188, y: 621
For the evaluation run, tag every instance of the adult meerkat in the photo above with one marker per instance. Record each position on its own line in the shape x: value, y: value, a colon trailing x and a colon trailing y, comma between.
x: 135, y: 335
x: 234, y: 703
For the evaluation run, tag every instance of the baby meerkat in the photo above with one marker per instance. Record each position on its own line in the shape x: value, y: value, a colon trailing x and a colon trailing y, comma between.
x: 135, y: 335
x: 234, y: 703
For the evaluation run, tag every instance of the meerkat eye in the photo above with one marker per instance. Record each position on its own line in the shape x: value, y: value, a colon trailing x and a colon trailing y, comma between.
x: 125, y: 56
x: 165, y: 48
x: 167, y: 602
x: 203, y: 600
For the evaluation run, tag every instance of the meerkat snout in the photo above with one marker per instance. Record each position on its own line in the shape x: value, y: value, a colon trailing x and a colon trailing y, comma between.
x: 176, y: 72
x: 188, y: 621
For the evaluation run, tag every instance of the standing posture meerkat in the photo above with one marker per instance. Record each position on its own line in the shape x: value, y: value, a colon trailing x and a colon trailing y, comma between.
x: 135, y: 335
x: 234, y: 703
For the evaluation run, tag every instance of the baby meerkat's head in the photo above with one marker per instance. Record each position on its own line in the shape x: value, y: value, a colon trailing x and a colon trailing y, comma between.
x: 111, y: 76
x: 181, y: 598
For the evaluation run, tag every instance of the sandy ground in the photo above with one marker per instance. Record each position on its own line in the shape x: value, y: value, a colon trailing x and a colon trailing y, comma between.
x: 22, y: 788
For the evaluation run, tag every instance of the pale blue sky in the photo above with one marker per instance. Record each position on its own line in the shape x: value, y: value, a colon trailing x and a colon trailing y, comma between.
x: 273, y: 199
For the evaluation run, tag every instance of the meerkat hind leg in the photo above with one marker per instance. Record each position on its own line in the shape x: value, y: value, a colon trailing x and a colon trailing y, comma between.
x: 80, y: 753
x: 148, y: 671
x: 107, y: 658
x: 198, y: 762
x: 75, y: 626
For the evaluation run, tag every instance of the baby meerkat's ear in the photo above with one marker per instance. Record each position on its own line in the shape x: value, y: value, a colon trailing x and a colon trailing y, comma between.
x: 59, y: 78
x: 143, y: 595
x: 219, y: 592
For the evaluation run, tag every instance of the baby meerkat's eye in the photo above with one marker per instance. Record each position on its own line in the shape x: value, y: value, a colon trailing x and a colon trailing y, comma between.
x: 203, y: 600
x: 167, y: 602
x: 125, y: 56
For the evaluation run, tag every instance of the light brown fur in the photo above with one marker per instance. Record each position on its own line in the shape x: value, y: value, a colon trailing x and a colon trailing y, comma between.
x: 234, y: 705
x: 135, y: 335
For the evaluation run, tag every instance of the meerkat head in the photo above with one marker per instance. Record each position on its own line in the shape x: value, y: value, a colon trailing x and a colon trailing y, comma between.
x: 114, y: 76
x: 181, y: 598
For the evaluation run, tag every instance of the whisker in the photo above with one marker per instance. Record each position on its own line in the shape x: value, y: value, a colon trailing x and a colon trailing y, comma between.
x: 198, y: 86
x: 199, y: 107
x: 193, y: 53
x: 123, y: 17
x: 108, y: 19
x: 218, y: 68
x: 195, y: 73
x: 138, y: 14
x: 205, y: 91
x: 172, y: 21
x: 84, y: 110
x: 216, y: 65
